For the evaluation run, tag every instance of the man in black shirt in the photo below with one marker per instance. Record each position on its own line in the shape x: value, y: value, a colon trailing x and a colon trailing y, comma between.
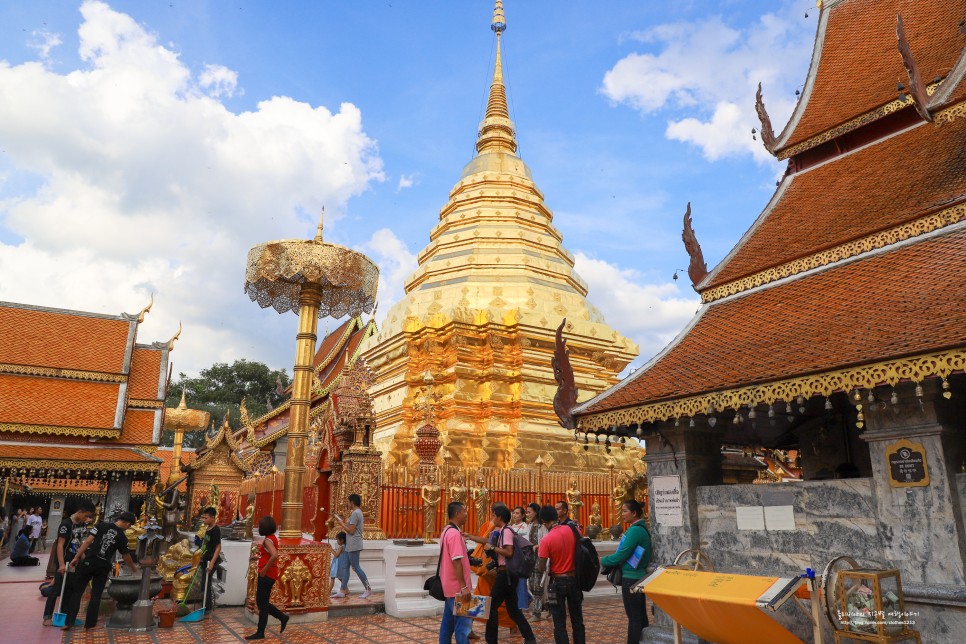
x: 69, y: 537
x: 210, y: 549
x: 105, y: 540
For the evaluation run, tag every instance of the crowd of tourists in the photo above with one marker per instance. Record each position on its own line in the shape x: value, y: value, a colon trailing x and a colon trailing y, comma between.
x: 538, y: 561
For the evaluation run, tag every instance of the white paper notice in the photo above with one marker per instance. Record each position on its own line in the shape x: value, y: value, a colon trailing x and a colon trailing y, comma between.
x: 780, y: 517
x: 667, y: 499
x: 750, y: 517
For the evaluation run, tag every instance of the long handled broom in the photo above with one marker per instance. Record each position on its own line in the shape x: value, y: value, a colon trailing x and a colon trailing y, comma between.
x: 198, y: 615
x: 60, y: 619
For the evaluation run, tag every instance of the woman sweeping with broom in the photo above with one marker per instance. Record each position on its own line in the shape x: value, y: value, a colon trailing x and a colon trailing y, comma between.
x: 267, y: 574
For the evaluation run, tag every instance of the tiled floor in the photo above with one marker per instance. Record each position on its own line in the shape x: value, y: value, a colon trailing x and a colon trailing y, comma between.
x: 604, y: 620
x: 21, y: 613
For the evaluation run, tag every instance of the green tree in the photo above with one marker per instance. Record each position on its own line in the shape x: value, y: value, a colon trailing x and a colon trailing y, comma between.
x: 221, y: 387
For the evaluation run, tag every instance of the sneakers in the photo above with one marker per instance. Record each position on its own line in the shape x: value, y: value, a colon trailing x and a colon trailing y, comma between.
x: 48, y: 621
x: 365, y: 594
x: 338, y: 595
x: 255, y: 636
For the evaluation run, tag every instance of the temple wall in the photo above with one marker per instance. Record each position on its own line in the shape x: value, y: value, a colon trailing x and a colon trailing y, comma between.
x: 832, y: 518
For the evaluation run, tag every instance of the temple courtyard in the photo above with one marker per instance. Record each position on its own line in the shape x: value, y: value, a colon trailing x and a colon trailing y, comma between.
x: 22, y: 608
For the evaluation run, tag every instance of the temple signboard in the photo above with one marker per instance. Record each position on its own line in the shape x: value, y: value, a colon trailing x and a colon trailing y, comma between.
x: 666, y: 491
x: 906, y: 462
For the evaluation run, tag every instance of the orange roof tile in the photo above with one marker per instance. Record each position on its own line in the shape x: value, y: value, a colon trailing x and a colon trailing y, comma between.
x: 138, y: 428
x: 53, y: 401
x: 894, y: 181
x: 120, y: 456
x: 860, y: 65
x: 145, y: 374
x: 62, y: 339
x: 905, y: 301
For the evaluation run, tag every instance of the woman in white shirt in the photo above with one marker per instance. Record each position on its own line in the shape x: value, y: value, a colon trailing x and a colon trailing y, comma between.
x: 520, y: 527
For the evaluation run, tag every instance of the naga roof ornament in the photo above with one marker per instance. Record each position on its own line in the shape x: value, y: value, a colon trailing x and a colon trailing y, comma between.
x: 697, y: 269
x: 917, y: 89
x: 767, y: 132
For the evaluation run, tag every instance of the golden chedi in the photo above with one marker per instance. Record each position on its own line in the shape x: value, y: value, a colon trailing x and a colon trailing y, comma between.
x: 480, y: 313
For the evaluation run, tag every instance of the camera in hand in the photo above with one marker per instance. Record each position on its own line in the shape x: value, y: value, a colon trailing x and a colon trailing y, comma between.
x: 475, y: 561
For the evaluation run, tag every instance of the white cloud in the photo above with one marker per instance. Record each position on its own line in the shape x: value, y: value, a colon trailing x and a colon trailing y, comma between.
x: 650, y: 314
x: 44, y: 43
x: 147, y: 184
x: 218, y: 80
x: 396, y: 262
x: 706, y: 74
x: 406, y: 181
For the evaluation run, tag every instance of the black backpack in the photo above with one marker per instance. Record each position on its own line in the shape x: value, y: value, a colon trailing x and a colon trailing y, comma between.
x: 524, y: 559
x: 586, y: 562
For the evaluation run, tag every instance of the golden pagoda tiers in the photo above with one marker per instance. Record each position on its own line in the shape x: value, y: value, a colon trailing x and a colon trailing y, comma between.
x: 480, y: 312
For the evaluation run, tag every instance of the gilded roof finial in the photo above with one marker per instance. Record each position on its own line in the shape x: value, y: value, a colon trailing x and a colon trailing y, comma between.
x: 496, y: 130
x: 184, y: 403
x: 318, y: 231
x: 145, y: 310
x: 175, y: 337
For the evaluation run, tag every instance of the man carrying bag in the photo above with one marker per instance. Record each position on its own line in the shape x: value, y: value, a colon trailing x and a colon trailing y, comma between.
x: 454, y: 578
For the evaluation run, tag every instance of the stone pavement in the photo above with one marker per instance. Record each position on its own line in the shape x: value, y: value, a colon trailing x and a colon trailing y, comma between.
x: 21, y: 614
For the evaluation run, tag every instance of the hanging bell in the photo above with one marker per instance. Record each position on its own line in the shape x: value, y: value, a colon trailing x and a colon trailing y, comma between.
x: 947, y: 394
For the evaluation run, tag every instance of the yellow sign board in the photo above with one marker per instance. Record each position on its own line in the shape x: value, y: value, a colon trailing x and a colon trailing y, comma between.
x: 717, y: 607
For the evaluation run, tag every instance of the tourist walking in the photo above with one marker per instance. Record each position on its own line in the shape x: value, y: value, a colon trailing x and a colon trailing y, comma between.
x: 520, y: 527
x: 353, y: 545
x: 267, y: 575
x: 558, y: 548
x: 104, y: 542
x: 210, y: 550
x: 4, y: 527
x: 504, y: 586
x: 633, y: 555
x: 70, y: 534
x: 454, y: 574
x: 340, y: 561
x: 20, y: 556
x: 538, y: 529
x: 36, y: 523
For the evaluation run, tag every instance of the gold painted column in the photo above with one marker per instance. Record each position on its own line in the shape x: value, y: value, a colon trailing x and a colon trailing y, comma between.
x: 298, y: 430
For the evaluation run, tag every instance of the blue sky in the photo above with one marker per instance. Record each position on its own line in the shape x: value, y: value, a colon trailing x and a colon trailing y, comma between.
x: 144, y: 146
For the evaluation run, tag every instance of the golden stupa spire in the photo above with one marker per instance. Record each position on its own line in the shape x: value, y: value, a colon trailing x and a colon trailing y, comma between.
x: 496, y: 130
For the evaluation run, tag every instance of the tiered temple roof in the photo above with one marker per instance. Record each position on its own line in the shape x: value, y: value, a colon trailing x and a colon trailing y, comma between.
x: 337, y: 351
x: 852, y: 275
x: 68, y: 378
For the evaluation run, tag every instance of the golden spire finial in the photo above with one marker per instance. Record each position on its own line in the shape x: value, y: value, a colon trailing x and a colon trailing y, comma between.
x: 184, y: 403
x: 318, y: 231
x: 496, y: 130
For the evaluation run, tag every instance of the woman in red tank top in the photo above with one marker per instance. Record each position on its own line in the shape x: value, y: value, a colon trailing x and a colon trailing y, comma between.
x: 267, y: 574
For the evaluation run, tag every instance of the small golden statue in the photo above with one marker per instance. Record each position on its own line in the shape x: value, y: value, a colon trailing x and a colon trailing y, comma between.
x: 430, y: 495
x: 596, y: 525
x: 179, y: 557
x: 619, y: 495
x: 459, y: 492
x: 574, y: 499
x: 481, y: 496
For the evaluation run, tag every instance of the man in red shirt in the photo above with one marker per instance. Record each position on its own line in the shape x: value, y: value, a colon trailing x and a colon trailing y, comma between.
x: 454, y: 573
x: 559, y: 547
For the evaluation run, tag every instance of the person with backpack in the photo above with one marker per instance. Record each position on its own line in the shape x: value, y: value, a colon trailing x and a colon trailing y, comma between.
x: 633, y: 555
x: 559, y: 548
x: 454, y: 576
x: 504, y: 589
